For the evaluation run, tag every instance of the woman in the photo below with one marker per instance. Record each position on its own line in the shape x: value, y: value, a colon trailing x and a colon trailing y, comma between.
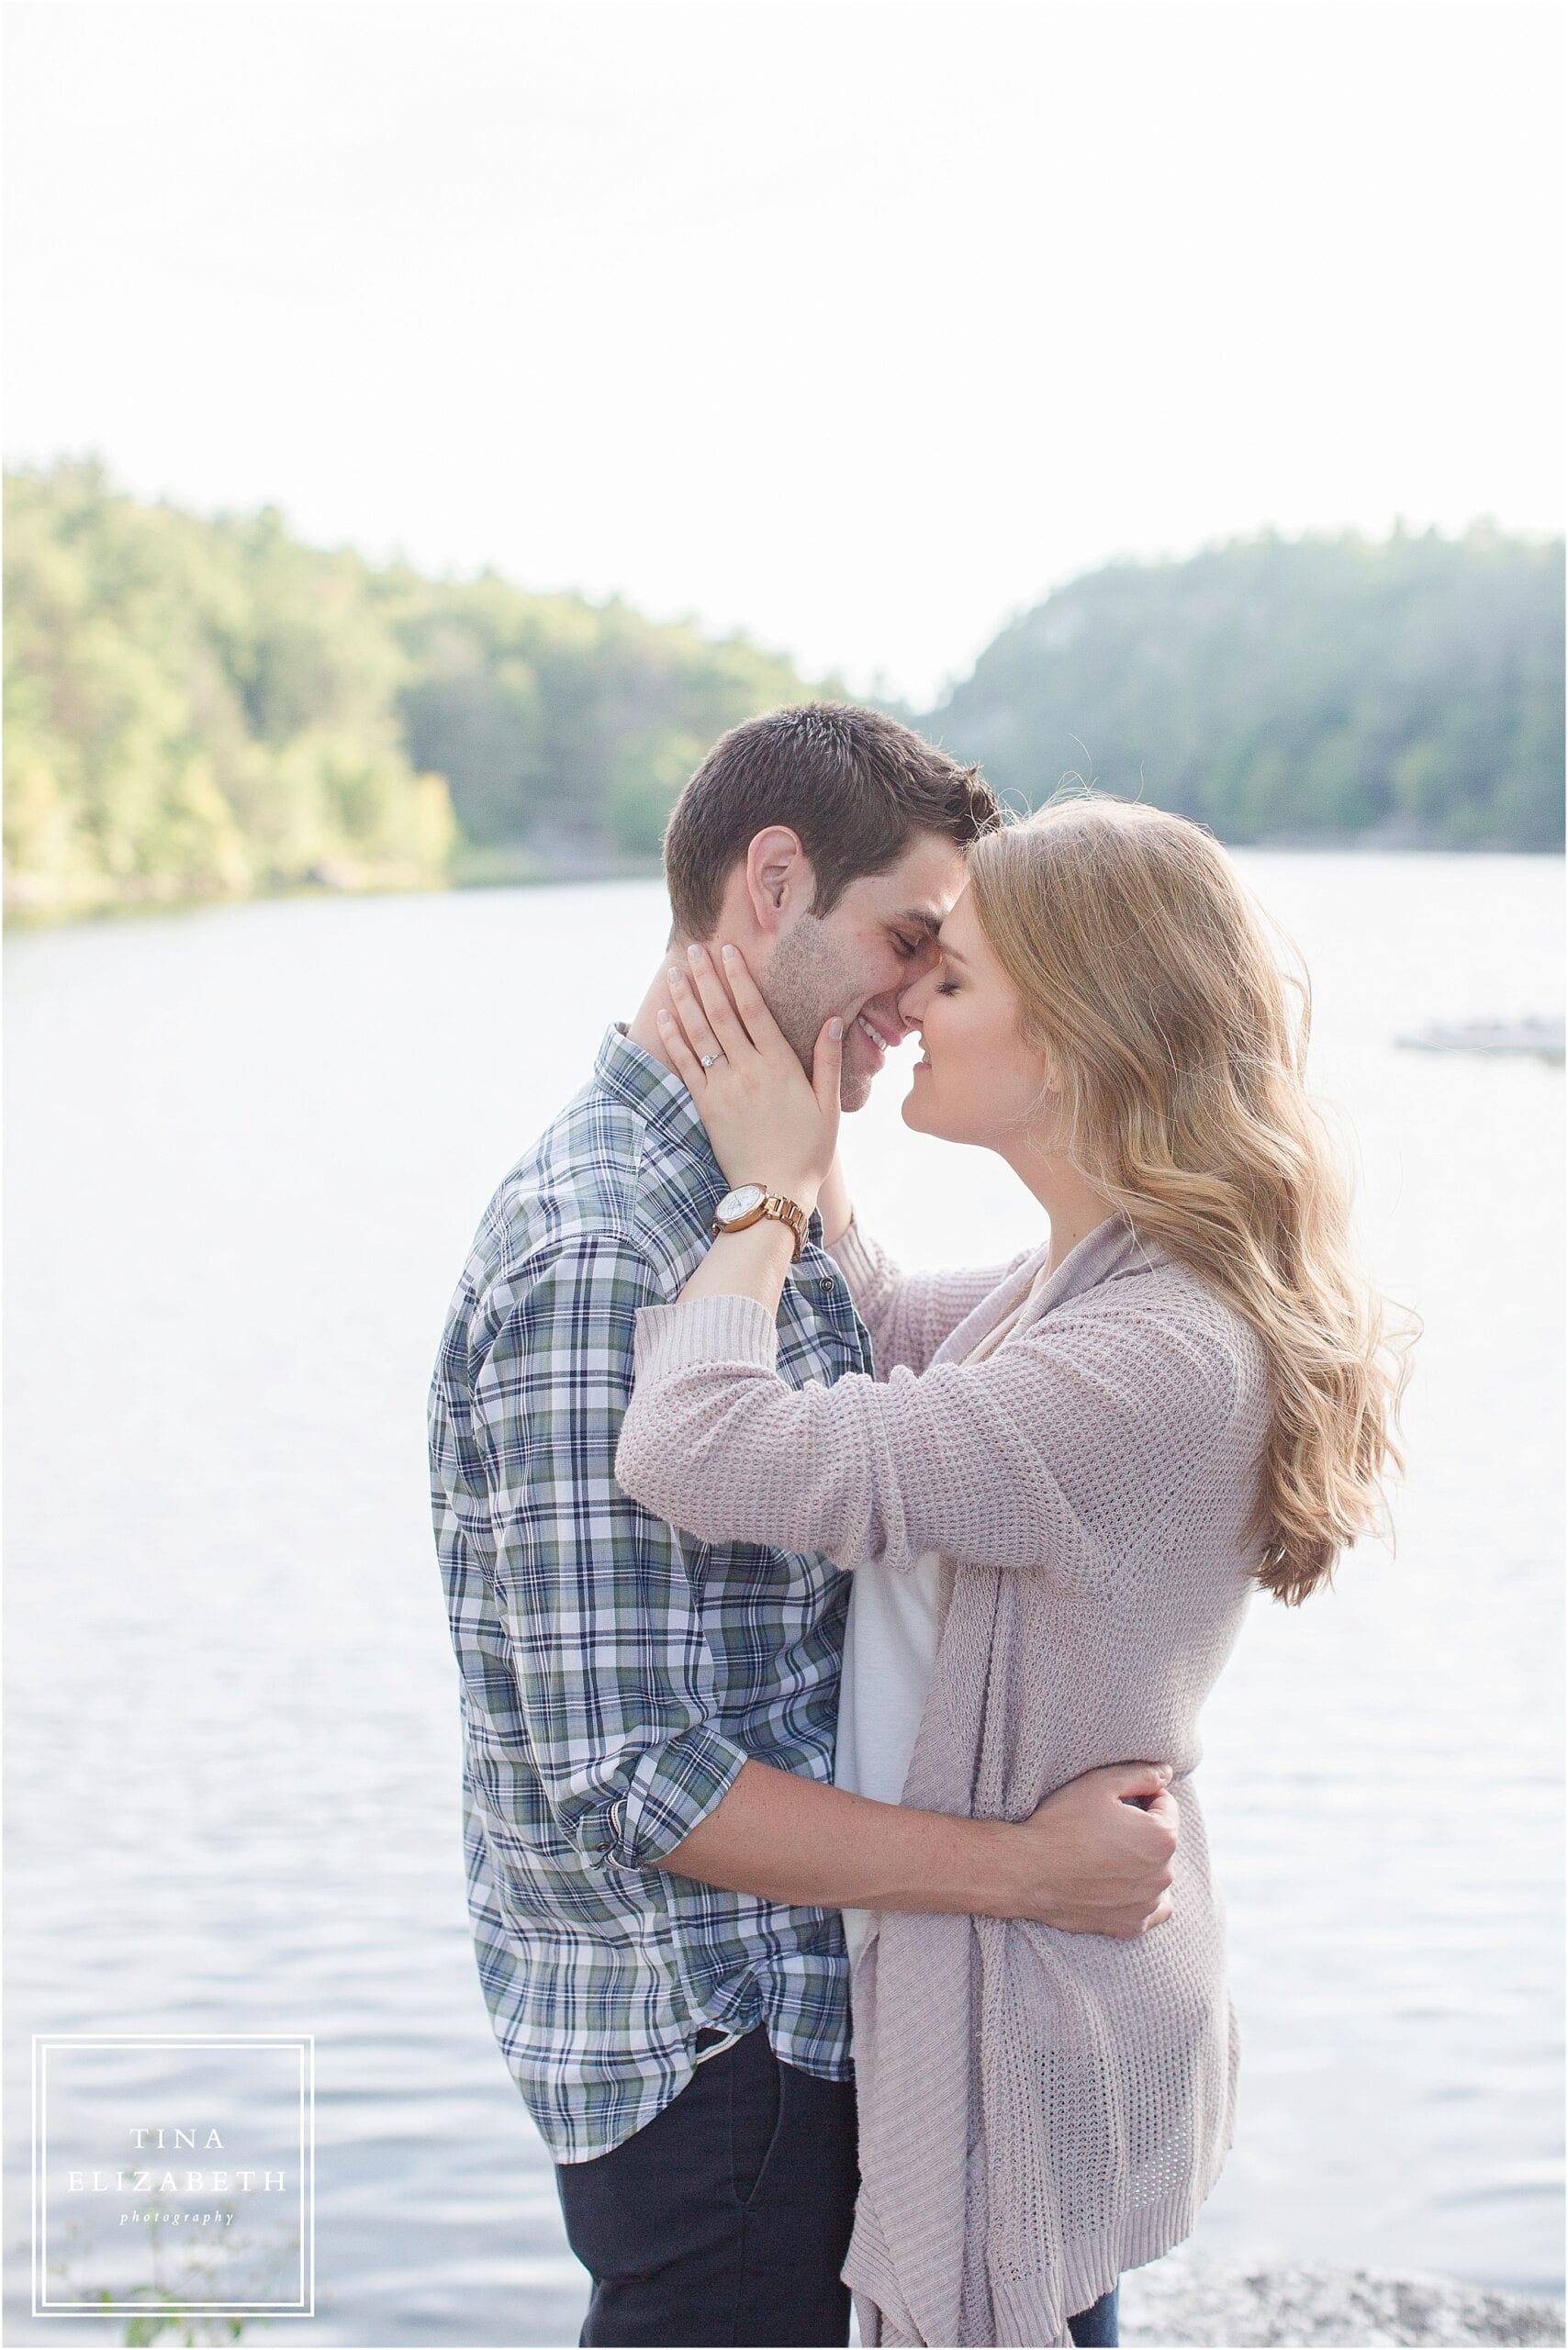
x: 1057, y: 1495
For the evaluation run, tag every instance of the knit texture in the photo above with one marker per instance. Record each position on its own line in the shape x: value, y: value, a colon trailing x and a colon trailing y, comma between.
x: 1038, y: 2110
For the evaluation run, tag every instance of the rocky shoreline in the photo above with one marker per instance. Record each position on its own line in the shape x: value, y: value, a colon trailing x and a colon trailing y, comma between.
x: 1186, y: 2300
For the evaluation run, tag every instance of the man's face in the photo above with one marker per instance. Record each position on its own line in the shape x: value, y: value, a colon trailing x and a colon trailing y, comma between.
x: 857, y: 961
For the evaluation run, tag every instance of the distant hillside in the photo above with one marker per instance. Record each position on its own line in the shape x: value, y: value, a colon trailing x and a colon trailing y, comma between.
x: 1409, y: 689
x: 202, y: 708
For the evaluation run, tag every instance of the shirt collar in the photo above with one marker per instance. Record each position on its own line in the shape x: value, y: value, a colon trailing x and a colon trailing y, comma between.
x: 658, y: 1095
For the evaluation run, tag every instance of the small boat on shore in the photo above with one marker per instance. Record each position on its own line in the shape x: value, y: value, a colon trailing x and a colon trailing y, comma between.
x: 1544, y: 1038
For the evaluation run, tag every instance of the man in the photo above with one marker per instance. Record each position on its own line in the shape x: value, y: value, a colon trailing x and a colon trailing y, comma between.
x: 656, y: 1854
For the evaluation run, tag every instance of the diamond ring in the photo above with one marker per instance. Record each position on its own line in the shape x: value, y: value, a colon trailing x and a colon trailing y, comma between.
x: 707, y: 1059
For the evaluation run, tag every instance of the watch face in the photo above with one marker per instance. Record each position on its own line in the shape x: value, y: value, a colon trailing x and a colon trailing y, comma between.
x: 740, y: 1202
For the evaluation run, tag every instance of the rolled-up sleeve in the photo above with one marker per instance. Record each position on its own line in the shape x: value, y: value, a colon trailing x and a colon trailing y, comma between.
x: 614, y: 1679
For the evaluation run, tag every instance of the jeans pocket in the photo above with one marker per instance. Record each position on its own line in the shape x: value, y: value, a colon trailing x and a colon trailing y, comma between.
x: 757, y: 2112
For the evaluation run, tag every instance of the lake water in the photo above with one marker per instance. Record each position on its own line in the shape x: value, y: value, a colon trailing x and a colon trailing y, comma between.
x: 247, y: 1150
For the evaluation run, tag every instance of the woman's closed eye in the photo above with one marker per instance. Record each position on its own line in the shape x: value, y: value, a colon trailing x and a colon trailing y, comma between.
x: 947, y: 987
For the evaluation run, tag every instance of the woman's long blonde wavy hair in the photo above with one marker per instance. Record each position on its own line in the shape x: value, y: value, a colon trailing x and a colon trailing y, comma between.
x: 1176, y: 1056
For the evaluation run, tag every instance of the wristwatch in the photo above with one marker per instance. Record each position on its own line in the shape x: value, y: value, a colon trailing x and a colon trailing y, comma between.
x: 749, y: 1202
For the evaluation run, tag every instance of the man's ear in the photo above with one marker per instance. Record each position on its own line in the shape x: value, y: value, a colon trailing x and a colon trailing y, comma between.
x: 778, y: 879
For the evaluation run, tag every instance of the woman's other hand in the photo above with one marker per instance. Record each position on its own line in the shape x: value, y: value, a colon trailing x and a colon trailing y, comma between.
x: 769, y: 1122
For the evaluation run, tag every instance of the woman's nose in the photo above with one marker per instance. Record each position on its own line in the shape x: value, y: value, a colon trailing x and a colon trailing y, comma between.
x: 912, y: 1004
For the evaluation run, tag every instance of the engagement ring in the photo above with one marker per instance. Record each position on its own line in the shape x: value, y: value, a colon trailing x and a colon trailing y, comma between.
x: 707, y: 1059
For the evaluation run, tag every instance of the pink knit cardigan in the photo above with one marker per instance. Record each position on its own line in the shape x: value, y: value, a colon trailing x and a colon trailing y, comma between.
x: 1038, y: 2110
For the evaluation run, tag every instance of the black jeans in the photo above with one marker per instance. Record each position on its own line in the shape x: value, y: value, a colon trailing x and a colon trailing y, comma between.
x: 726, y: 2218
x: 1096, y: 2324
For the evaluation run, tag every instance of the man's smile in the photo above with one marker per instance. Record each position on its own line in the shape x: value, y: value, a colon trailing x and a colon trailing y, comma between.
x: 883, y: 1034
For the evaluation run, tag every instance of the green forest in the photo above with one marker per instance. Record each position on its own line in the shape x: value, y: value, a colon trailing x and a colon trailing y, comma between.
x: 207, y: 708
x: 199, y: 708
x: 1405, y: 691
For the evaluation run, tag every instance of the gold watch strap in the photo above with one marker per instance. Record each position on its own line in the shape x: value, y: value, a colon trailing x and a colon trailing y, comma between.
x: 776, y: 1204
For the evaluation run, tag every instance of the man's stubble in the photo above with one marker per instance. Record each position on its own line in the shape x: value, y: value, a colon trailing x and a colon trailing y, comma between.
x: 805, y: 984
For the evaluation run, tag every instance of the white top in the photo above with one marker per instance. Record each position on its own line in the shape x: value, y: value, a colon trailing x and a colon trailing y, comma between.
x: 889, y: 1654
x: 890, y: 1648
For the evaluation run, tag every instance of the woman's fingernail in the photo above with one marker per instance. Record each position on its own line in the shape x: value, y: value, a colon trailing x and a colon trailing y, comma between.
x: 677, y: 979
x: 729, y: 954
x: 835, y: 1029
x: 665, y: 1020
x: 694, y: 955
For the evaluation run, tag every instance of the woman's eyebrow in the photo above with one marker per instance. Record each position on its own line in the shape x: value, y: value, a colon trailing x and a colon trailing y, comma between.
x: 952, y: 952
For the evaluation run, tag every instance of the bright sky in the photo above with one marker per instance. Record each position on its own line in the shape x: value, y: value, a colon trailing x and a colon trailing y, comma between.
x: 853, y: 323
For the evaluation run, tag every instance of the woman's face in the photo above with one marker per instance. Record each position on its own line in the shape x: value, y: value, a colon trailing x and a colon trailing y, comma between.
x: 979, y: 1079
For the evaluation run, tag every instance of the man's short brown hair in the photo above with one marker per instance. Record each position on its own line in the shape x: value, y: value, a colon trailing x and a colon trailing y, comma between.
x: 854, y: 784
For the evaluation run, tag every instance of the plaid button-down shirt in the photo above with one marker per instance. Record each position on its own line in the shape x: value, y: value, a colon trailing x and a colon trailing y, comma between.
x: 615, y: 1673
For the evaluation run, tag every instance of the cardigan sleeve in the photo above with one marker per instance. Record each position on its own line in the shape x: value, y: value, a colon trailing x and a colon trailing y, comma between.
x: 1061, y: 1452
x: 909, y: 1315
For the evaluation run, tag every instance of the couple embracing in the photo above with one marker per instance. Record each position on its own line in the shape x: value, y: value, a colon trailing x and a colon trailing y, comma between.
x: 832, y: 1638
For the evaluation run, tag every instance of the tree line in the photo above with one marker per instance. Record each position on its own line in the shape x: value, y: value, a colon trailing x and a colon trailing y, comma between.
x: 206, y: 707
x: 1406, y: 690
x: 199, y: 707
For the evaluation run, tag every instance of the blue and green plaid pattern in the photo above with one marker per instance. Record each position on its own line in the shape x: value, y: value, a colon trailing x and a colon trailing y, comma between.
x: 616, y: 1673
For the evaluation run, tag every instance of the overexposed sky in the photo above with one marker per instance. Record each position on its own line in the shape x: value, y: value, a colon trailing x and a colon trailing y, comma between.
x: 853, y: 323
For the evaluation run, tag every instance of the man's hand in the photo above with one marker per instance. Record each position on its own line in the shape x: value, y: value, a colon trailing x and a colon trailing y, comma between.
x: 1095, y: 1858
